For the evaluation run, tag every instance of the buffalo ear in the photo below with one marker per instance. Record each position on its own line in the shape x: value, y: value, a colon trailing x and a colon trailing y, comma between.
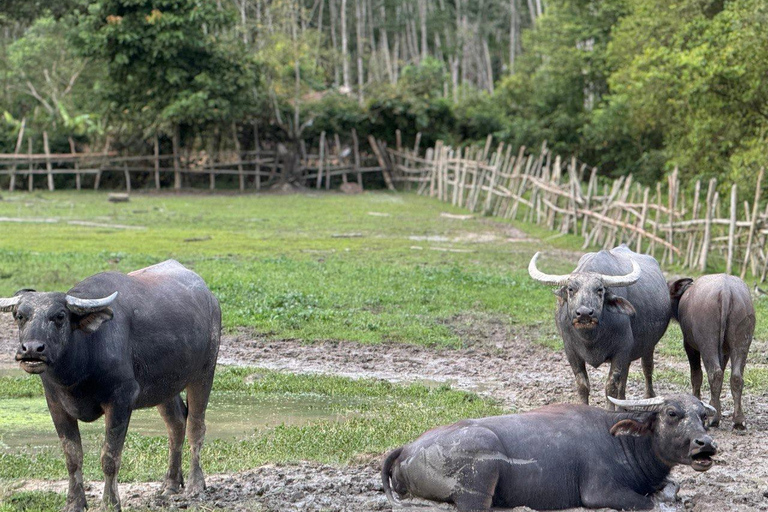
x: 618, y: 304
x: 677, y: 288
x: 561, y: 294
x: 91, y: 322
x: 631, y: 427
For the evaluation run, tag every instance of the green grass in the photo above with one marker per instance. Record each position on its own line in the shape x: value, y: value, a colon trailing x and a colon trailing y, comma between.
x: 375, y: 415
x: 278, y: 265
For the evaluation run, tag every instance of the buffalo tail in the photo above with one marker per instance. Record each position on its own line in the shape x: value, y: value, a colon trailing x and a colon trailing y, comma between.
x: 386, y: 473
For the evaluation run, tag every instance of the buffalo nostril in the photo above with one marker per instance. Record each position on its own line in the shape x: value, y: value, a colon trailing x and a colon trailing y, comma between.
x: 41, y: 348
x: 699, y: 442
x: 23, y: 348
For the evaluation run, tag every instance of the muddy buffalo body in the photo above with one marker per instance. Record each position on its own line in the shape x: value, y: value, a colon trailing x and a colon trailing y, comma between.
x: 556, y: 457
x: 115, y: 343
x: 613, y: 307
x: 717, y: 318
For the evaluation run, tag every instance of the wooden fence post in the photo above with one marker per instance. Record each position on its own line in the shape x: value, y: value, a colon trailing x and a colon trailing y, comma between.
x: 77, y: 165
x: 176, y: 164
x: 356, y: 155
x: 31, y: 176
x: 320, y: 163
x: 732, y: 229
x: 752, y: 227
x: 16, y: 150
x: 48, y: 166
x: 707, y: 225
x: 157, y: 161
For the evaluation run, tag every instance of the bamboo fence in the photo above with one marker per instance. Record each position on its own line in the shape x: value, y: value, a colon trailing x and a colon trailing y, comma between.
x: 254, y: 169
x: 686, y: 228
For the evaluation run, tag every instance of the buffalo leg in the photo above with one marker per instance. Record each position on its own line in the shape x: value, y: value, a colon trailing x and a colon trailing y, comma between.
x: 715, y: 377
x: 197, y: 401
x: 69, y: 435
x: 174, y: 413
x: 116, y: 418
x: 617, y: 381
x: 694, y: 360
x: 647, y: 362
x: 582, y: 378
x: 619, y: 498
x: 738, y: 362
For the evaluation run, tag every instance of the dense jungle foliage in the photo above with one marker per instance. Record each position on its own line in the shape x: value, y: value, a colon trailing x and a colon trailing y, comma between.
x: 634, y: 86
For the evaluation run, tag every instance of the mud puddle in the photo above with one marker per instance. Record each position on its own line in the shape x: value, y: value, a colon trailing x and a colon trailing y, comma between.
x: 25, y: 423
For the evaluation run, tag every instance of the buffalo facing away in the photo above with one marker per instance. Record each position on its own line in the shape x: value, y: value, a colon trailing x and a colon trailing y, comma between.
x: 115, y: 343
x: 717, y: 318
x: 556, y: 457
x: 613, y: 307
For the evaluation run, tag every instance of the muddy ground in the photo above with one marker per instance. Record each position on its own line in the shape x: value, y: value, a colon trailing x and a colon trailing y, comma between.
x: 507, y: 365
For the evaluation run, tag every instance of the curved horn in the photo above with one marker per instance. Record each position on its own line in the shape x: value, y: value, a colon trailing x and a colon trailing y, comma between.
x: 85, y: 306
x: 711, y: 411
x: 646, y: 404
x: 541, y: 277
x: 9, y: 303
x: 625, y: 280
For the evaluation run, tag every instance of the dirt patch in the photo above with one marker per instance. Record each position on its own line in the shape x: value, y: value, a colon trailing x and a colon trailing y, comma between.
x: 500, y: 362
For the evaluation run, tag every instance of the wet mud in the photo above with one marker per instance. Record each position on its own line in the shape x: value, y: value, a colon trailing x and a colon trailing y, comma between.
x: 501, y: 363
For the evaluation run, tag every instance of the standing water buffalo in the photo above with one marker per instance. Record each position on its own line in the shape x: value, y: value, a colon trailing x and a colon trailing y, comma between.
x: 613, y: 307
x: 556, y: 457
x: 717, y: 318
x: 115, y: 343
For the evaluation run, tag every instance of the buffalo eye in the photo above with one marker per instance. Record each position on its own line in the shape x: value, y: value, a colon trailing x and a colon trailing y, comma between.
x: 570, y: 289
x: 19, y: 317
x: 60, y: 317
x: 672, y: 413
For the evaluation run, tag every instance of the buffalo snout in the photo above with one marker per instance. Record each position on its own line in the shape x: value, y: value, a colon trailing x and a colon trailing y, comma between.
x: 32, y: 356
x: 702, y: 450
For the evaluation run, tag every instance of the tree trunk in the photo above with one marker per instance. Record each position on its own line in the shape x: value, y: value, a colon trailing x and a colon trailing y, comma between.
x: 423, y: 19
x: 344, y: 49
x: 359, y: 20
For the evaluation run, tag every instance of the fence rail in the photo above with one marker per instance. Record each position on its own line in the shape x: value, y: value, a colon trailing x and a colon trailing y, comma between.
x: 679, y: 227
x: 257, y: 168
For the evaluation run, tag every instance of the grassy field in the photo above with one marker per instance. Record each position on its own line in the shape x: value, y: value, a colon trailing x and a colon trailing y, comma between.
x: 371, y: 268
x: 362, y: 268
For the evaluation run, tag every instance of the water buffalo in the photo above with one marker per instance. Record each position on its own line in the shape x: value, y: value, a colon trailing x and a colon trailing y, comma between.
x: 717, y: 318
x: 115, y: 343
x: 556, y: 457
x: 613, y: 307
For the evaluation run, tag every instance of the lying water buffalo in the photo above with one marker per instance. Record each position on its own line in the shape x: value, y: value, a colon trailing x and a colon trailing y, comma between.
x: 717, y: 318
x: 613, y: 307
x: 115, y: 343
x: 556, y: 457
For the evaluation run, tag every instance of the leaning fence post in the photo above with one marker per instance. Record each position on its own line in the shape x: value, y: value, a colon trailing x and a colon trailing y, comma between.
x: 76, y: 164
x: 752, y: 226
x: 320, y: 163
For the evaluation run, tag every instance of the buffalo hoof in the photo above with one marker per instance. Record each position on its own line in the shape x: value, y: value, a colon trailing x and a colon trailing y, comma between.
x: 715, y: 423
x: 195, y: 486
x: 171, y: 489
x: 75, y: 507
x: 740, y: 426
x: 668, y: 494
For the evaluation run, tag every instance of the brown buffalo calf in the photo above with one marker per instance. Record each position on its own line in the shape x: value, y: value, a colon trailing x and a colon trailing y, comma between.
x: 717, y: 318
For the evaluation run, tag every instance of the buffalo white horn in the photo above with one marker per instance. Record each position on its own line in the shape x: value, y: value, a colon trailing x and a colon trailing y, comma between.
x: 625, y: 280
x: 711, y: 411
x: 9, y: 303
x: 646, y: 404
x: 541, y: 277
x: 85, y: 306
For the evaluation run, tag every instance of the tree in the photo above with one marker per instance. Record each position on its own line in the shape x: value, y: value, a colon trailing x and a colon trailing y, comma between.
x: 169, y: 63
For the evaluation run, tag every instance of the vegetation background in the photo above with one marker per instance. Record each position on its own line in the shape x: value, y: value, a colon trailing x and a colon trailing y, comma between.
x: 631, y: 86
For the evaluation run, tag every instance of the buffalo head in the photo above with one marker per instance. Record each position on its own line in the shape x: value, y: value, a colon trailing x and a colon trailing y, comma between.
x: 587, y: 294
x: 678, y: 425
x: 46, y: 322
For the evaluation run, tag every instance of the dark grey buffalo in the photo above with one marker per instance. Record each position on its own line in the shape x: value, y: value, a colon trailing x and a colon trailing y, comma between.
x: 115, y: 343
x: 556, y: 457
x: 613, y: 307
x: 717, y: 318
